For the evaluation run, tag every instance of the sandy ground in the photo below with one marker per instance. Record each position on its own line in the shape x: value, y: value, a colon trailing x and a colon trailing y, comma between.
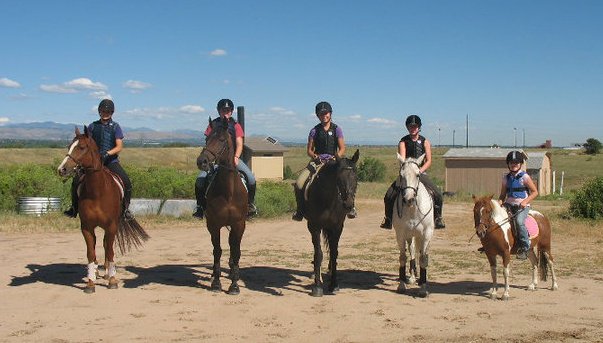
x: 163, y: 294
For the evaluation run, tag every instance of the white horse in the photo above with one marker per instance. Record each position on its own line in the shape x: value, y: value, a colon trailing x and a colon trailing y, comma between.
x: 413, y: 219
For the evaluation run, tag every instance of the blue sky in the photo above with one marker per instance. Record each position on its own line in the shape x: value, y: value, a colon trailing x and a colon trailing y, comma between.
x: 510, y: 66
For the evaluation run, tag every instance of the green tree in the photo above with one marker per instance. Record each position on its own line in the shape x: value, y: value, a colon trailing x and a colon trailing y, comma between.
x: 592, y: 146
x: 371, y: 170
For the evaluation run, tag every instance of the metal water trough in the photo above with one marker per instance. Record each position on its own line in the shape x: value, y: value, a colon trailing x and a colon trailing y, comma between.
x: 38, y: 205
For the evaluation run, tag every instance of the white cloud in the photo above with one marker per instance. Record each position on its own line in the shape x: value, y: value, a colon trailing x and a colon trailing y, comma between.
x: 8, y: 83
x: 85, y: 83
x: 191, y: 109
x: 4, y: 120
x: 355, y: 117
x: 382, y: 121
x: 136, y: 86
x: 75, y: 86
x: 218, y: 52
x: 101, y: 95
x: 57, y: 89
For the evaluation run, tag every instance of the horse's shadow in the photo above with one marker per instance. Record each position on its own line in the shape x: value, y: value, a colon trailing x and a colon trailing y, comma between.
x: 63, y: 274
x: 265, y: 279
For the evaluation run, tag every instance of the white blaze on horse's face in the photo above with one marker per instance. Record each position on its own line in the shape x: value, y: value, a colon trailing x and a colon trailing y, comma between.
x: 62, y: 169
x: 409, y: 177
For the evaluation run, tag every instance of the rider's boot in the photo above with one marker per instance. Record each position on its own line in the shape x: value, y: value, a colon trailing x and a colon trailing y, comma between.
x: 352, y: 214
x: 72, y: 211
x: 127, y: 197
x: 199, y: 195
x: 439, y: 221
x: 386, y: 223
x: 299, y: 199
x: 388, y: 202
x: 252, y: 210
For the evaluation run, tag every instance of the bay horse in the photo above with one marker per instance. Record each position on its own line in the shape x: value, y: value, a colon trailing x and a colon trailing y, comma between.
x: 100, y: 205
x: 413, y: 221
x: 493, y: 227
x: 226, y: 202
x: 330, y: 197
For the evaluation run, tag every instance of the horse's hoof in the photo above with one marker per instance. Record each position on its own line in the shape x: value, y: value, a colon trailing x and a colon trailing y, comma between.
x: 334, y: 290
x: 493, y: 296
x: 216, y: 286
x: 423, y: 294
x: 112, y: 283
x: 89, y: 289
x: 317, y: 291
x: 531, y: 287
x: 409, y: 280
x: 234, y: 289
x: 401, y: 288
x: 555, y: 287
x: 505, y: 297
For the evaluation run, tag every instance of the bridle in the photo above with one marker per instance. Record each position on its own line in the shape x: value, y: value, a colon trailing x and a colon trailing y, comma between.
x: 216, y: 156
x: 416, y: 188
x: 344, y: 189
x: 78, y: 163
x: 483, y: 228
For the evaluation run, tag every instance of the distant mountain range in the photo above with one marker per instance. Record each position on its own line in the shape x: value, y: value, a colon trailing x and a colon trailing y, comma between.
x: 57, y: 131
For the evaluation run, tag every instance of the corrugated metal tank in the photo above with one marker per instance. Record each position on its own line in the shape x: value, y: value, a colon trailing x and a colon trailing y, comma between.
x: 38, y: 205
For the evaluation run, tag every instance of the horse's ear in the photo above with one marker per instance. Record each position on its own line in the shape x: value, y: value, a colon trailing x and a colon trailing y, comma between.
x: 209, y: 120
x: 356, y: 156
x: 420, y: 159
x: 77, y: 131
x: 86, y: 130
x: 399, y: 157
x: 474, y: 198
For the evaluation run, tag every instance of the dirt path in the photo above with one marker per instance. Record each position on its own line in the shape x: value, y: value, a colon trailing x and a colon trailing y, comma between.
x: 163, y: 293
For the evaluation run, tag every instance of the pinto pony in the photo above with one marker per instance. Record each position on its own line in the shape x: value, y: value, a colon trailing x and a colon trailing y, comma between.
x: 413, y: 220
x: 493, y: 227
x: 330, y: 197
x: 226, y: 202
x: 100, y: 205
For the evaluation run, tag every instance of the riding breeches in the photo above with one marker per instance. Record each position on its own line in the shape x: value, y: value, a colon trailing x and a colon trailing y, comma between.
x: 116, y: 168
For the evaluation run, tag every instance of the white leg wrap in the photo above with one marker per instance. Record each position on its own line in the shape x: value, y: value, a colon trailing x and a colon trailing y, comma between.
x: 92, y: 267
x: 111, y: 271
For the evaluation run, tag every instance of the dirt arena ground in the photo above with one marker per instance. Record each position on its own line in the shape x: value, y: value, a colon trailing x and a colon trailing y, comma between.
x: 163, y: 293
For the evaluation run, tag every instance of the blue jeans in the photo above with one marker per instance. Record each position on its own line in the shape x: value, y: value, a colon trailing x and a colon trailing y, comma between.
x: 242, y: 167
x: 522, y: 231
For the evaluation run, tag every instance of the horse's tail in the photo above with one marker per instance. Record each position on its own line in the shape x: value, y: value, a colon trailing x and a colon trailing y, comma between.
x: 130, y: 233
x: 543, y: 264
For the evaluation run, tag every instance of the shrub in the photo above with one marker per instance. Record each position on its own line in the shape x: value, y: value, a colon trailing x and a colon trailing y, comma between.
x: 592, y: 146
x: 288, y: 173
x: 274, y: 198
x: 587, y: 202
x: 371, y: 170
x: 161, y: 182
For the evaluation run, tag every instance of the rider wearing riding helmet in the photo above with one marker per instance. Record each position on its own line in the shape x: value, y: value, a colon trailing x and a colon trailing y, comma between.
x: 414, y: 145
x: 325, y: 142
x: 225, y: 107
x: 517, y: 191
x: 108, y: 136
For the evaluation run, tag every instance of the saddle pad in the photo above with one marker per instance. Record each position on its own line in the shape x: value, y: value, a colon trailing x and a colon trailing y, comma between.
x: 532, y: 226
x: 115, y: 177
x: 311, y: 178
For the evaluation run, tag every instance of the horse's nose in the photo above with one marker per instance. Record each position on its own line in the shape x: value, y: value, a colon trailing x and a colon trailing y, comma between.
x: 62, y: 171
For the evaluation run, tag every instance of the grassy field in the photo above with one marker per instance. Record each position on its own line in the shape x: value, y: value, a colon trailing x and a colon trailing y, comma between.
x: 577, y: 166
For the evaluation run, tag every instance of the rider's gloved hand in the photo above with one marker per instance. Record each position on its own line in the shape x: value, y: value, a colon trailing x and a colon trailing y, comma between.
x: 105, y: 158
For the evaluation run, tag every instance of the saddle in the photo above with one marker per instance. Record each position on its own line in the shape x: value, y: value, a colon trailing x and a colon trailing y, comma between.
x: 116, y: 179
x: 530, y: 223
x: 211, y: 175
x: 314, y: 169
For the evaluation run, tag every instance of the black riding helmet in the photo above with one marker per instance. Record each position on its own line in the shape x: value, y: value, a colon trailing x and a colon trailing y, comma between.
x: 515, y: 157
x: 225, y: 103
x: 413, y: 119
x: 106, y: 105
x: 322, y: 108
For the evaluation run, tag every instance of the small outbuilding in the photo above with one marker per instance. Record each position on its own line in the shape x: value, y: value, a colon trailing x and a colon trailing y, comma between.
x: 479, y: 170
x: 265, y: 157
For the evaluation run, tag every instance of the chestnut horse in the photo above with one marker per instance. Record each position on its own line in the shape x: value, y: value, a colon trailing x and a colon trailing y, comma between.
x: 493, y: 227
x: 330, y: 197
x: 100, y: 205
x: 226, y: 201
x: 413, y: 221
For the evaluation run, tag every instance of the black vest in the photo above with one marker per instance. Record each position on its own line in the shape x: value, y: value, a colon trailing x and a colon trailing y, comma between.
x: 104, y: 136
x: 414, y: 149
x: 325, y: 142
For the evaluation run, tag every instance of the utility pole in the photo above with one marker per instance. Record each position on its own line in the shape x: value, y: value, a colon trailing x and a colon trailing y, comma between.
x: 453, y: 133
x: 515, y: 133
x: 467, y: 127
x: 524, y: 138
x: 439, y: 141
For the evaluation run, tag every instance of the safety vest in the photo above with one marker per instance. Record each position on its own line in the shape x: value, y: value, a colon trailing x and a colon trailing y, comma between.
x: 515, y: 188
x: 414, y: 149
x: 104, y: 136
x: 325, y: 142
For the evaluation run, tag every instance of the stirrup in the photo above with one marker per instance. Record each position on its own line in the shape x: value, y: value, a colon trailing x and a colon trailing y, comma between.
x: 128, y: 215
x: 297, y: 216
x: 71, y: 213
x: 386, y: 224
x: 252, y: 210
x: 198, y: 212
x: 352, y: 214
x: 439, y: 223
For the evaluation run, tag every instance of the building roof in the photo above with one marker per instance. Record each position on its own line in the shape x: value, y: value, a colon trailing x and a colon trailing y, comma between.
x: 478, y: 153
x: 264, y: 144
x: 536, y: 159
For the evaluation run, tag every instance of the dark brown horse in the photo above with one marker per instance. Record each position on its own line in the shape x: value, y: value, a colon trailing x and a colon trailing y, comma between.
x: 99, y: 206
x: 226, y: 202
x: 493, y: 227
x: 330, y: 197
